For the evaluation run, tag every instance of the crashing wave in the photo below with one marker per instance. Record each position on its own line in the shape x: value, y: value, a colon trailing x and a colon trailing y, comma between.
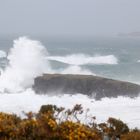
x: 26, y: 61
x: 82, y: 59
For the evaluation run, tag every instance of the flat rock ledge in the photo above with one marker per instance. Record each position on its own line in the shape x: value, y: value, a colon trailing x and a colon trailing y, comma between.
x: 94, y: 86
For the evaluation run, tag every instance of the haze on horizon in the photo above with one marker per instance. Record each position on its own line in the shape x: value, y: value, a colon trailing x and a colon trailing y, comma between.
x: 59, y: 18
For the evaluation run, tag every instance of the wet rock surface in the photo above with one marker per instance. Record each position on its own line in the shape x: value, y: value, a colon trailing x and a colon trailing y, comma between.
x: 98, y: 87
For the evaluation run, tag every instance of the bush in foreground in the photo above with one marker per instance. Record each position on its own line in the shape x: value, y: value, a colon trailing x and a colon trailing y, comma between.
x: 53, y: 123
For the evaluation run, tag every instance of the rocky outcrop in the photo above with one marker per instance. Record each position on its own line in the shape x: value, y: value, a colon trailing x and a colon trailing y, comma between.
x: 85, y: 84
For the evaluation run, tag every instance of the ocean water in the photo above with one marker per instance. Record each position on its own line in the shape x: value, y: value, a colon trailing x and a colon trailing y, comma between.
x: 23, y: 59
x: 117, y: 58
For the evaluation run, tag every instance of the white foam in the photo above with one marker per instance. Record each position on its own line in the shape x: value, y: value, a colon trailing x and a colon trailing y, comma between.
x: 81, y: 59
x: 122, y: 108
x: 26, y: 61
x: 76, y: 70
x: 2, y: 54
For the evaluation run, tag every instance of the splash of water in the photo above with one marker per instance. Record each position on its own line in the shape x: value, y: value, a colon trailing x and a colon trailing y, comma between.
x: 26, y: 61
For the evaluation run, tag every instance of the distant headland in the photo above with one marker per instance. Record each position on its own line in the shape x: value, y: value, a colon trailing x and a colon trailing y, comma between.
x: 131, y: 34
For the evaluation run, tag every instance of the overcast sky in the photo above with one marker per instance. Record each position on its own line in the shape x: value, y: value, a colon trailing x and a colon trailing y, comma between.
x: 69, y: 17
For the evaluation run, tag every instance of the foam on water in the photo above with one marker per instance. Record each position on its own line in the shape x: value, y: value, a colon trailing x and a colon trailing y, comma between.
x: 27, y: 59
x: 76, y: 70
x: 122, y: 108
x: 82, y: 59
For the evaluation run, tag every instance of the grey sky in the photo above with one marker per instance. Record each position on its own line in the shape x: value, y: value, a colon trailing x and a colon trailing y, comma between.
x: 69, y: 17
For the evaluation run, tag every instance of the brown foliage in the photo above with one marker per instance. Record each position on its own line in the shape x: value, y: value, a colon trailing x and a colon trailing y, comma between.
x: 131, y: 136
x: 53, y: 123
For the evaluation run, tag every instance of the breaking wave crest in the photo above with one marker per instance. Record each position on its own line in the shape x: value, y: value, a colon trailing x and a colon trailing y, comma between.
x: 82, y: 59
x: 26, y: 61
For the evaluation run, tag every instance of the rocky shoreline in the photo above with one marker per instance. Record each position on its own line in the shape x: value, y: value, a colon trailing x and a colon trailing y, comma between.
x: 98, y: 87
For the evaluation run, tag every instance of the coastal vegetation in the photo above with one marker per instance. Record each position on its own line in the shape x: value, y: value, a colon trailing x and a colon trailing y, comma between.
x: 57, y: 123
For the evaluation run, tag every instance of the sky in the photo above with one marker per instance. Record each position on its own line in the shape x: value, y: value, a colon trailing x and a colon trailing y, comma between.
x: 82, y: 18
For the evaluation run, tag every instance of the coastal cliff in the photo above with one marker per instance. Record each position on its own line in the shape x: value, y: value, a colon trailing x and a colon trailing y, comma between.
x: 98, y: 87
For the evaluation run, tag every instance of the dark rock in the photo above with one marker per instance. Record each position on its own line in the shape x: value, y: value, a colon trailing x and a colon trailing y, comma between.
x: 85, y: 84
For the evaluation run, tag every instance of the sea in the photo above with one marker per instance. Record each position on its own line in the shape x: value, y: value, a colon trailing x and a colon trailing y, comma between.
x: 24, y: 58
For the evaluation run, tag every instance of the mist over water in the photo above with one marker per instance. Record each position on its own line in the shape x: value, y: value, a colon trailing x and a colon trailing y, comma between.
x: 28, y: 59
